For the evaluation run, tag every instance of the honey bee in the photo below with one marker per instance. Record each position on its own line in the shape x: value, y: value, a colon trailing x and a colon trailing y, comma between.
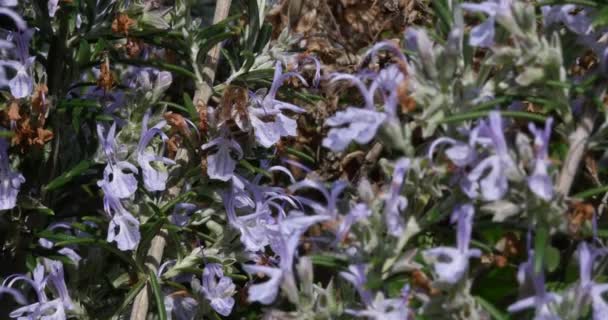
x: 233, y: 111
x: 420, y: 280
x: 579, y: 213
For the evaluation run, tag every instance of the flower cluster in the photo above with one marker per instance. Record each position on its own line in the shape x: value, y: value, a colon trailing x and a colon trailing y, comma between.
x: 154, y: 165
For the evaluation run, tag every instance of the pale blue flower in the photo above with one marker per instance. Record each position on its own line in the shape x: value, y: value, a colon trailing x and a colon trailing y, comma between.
x: 221, y: 164
x: 218, y: 289
x: 181, y: 214
x: 43, y: 309
x: 53, y: 6
x: 22, y: 84
x: 542, y: 300
x: 265, y: 114
x: 450, y: 264
x: 540, y: 182
x: 357, y: 276
x: 352, y: 124
x: 394, y: 202
x: 154, y: 179
x: 483, y: 34
x: 123, y: 228
x: 10, y: 181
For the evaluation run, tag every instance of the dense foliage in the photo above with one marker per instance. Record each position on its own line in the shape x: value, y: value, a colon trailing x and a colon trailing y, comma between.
x: 158, y: 163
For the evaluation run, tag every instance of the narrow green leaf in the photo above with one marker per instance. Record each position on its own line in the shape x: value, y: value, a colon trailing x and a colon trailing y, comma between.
x: 158, y: 296
x: 130, y: 297
x: 480, y: 114
x: 552, y: 257
x: 27, y: 202
x: 591, y: 192
x: 253, y: 168
x: 491, y: 309
x: 300, y: 154
x: 254, y: 24
x: 67, y: 176
x: 540, y: 245
x: 180, y: 198
x: 189, y: 105
x: 84, y: 52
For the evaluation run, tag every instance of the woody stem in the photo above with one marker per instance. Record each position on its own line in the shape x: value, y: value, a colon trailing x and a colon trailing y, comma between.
x: 577, y: 146
x: 204, y: 89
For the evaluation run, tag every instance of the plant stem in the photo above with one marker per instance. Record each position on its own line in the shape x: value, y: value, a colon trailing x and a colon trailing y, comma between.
x: 577, y: 146
x: 204, y: 90
x: 153, y: 260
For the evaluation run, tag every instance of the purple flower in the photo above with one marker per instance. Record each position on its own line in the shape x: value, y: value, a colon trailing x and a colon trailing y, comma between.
x: 181, y: 214
x: 358, y: 212
x: 49, y: 310
x: 388, y: 81
x: 574, y: 19
x: 119, y: 180
x: 118, y: 176
x: 352, y: 124
x: 483, y: 34
x: 587, y: 286
x: 542, y: 300
x: 10, y: 181
x: 257, y: 201
x: 330, y: 196
x: 68, y: 252
x: 19, y: 298
x: 540, y: 183
x: 57, y: 280
x: 394, y: 202
x: 266, y: 114
x: 221, y: 165
x: 181, y: 307
x: 303, y: 59
x: 460, y: 153
x: 218, y: 289
x: 11, y: 14
x: 44, y: 308
x: 356, y: 275
x: 123, y: 228
x: 451, y: 263
x: 379, y: 308
x: 265, y: 292
x: 53, y: 6
x: 284, y: 240
x: 22, y: 84
x: 493, y: 185
x: 154, y: 180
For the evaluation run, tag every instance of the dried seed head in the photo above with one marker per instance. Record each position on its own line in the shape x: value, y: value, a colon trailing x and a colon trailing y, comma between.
x: 39, y: 98
x: 122, y: 23
x: 134, y: 47
x: 106, y: 79
x: 13, y: 111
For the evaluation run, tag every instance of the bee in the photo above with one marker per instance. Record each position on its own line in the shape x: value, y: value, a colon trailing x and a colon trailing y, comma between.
x: 579, y: 213
x: 420, y: 280
x: 233, y: 112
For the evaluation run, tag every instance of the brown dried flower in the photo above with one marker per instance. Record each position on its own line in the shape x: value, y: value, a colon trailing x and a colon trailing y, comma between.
x: 122, y: 23
x: 106, y: 79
